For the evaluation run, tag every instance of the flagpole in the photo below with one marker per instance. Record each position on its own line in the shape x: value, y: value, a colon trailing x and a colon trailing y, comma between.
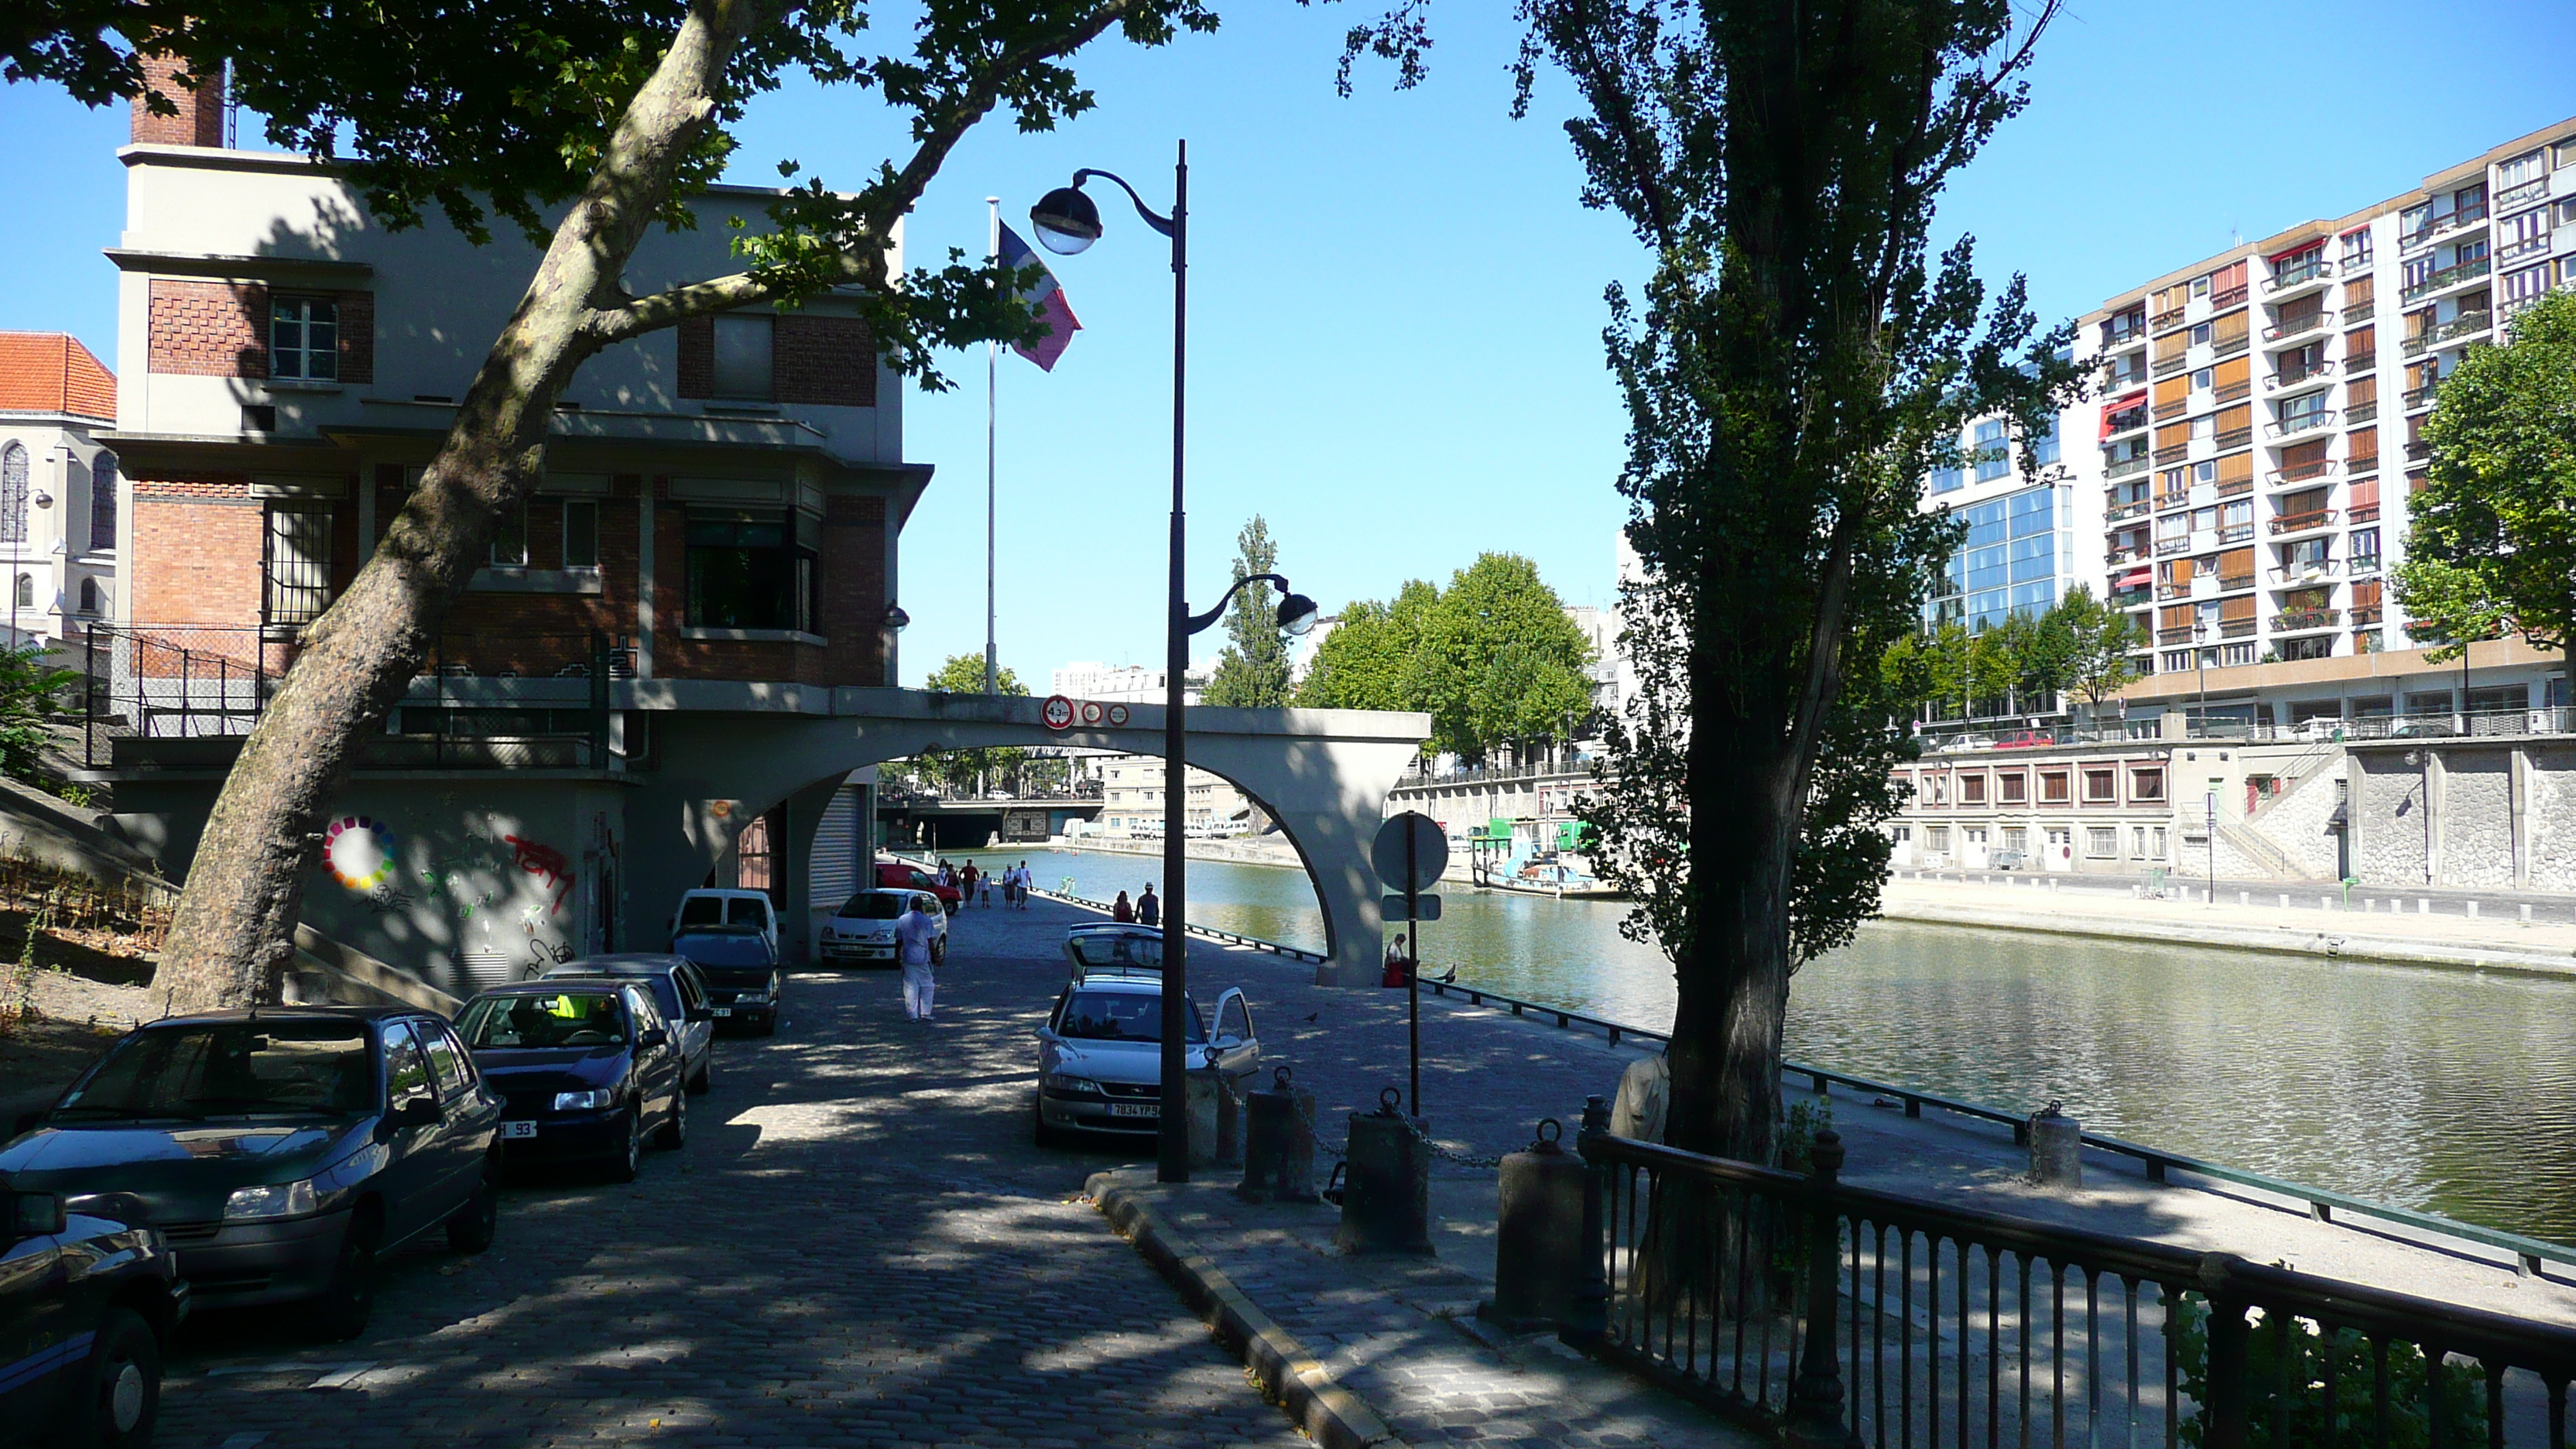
x: 992, y: 370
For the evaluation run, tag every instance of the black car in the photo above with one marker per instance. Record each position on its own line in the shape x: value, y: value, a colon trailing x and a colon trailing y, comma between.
x: 741, y: 970
x: 86, y: 1308
x: 280, y: 1151
x: 678, y: 988
x: 584, y: 1067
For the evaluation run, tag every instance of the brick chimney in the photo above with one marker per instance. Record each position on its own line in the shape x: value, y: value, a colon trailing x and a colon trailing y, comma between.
x: 200, y: 121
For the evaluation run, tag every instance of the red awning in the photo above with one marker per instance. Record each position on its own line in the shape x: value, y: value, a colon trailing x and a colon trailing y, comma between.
x: 2131, y: 579
x: 2311, y: 244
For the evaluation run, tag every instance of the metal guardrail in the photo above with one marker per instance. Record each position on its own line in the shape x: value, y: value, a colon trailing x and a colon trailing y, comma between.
x: 1206, y: 933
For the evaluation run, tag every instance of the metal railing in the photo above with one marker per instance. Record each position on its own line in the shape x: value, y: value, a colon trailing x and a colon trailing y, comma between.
x: 2360, y: 412
x: 2229, y: 346
x: 2124, y: 467
x: 1205, y: 933
x: 2291, y: 474
x: 2298, y: 274
x: 2301, y: 522
x: 2300, y: 620
x: 2297, y: 423
x: 2300, y: 325
x: 2221, y: 301
x: 2447, y: 277
x: 175, y: 682
x: 2513, y: 196
x: 2355, y: 313
x: 2316, y: 372
x: 2230, y: 392
x: 2465, y: 325
x: 2168, y: 366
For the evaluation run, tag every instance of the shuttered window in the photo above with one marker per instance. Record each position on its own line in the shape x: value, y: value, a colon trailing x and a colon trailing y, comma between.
x: 2361, y: 449
x: 2172, y: 345
x: 2303, y: 454
x: 2306, y: 500
x: 2360, y: 291
x: 2233, y: 378
x: 2174, y: 618
x: 2172, y: 396
x: 2231, y: 327
x: 2172, y: 438
x: 2236, y: 469
x: 2365, y: 494
x: 2239, y: 608
x: 2227, y: 284
x: 2359, y: 393
x: 2165, y: 304
x: 2235, y: 566
x: 2235, y: 425
x: 2366, y: 593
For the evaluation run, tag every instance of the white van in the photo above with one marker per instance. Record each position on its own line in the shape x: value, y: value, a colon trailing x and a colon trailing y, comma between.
x: 727, y: 908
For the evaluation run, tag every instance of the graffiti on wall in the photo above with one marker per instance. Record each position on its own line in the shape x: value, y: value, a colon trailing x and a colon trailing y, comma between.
x: 429, y: 893
x: 545, y: 863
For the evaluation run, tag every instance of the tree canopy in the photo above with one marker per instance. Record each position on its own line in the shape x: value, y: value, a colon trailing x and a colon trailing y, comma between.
x: 2491, y: 538
x: 1252, y: 673
x: 983, y: 767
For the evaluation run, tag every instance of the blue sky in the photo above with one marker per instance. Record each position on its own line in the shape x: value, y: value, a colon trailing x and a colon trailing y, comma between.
x: 1396, y: 299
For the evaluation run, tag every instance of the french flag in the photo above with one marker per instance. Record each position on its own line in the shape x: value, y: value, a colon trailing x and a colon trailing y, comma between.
x: 1046, y: 299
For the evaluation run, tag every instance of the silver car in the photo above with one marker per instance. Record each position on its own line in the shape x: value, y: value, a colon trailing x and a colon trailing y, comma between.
x: 862, y: 930
x: 1100, y: 1052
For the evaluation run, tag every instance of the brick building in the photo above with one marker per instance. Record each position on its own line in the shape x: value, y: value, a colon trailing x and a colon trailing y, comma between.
x: 715, y: 531
x: 59, y: 501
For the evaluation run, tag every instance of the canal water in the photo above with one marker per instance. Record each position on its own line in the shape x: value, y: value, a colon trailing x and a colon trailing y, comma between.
x: 2449, y: 1091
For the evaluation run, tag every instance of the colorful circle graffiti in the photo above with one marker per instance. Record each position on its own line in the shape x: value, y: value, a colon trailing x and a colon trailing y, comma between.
x: 359, y: 852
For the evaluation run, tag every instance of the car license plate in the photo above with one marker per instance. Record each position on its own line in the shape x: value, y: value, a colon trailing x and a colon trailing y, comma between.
x: 518, y: 1129
x: 1135, y: 1109
x: 724, y: 1011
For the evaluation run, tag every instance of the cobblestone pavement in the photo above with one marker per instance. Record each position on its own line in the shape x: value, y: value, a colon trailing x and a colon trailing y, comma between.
x: 859, y: 1245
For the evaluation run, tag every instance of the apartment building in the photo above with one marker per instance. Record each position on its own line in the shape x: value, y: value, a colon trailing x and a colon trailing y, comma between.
x: 1132, y: 800
x: 58, y: 487
x: 715, y: 538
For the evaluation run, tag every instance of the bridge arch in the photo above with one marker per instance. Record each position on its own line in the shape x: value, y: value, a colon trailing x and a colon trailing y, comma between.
x: 1324, y: 775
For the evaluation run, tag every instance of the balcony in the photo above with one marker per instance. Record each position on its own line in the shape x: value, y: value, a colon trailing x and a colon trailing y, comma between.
x: 2366, y: 513
x: 2168, y: 411
x: 2361, y: 413
x: 2128, y: 468
x: 2513, y: 197
x: 2170, y: 592
x: 2122, y: 333
x: 2173, y: 454
x: 2130, y: 598
x: 2235, y: 628
x: 2227, y: 347
x: 2115, y: 556
x: 2302, y: 522
x: 2362, y: 465
x: 2366, y: 614
x: 2235, y: 532
x: 2167, y: 547
x: 2221, y: 301
x: 2297, y: 423
x: 2447, y: 278
x: 2285, y: 380
x: 2301, y: 325
x: 2308, y: 271
x: 2235, y: 438
x: 2467, y: 324
x: 2303, y: 575
x: 2537, y: 246
x: 2126, y: 510
x: 2356, y: 313
x: 2368, y: 361
x: 2183, y: 635
x: 2233, y: 583
x: 2168, y: 366
x: 2419, y: 398
x: 2165, y: 321
x: 2418, y: 452
x: 2235, y: 487
x: 2364, y: 565
x: 2134, y: 421
x: 2291, y: 475
x: 2231, y: 392
x: 2301, y: 621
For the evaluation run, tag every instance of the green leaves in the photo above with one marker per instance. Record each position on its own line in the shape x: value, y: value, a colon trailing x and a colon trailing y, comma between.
x: 969, y: 770
x: 2491, y: 538
x: 28, y: 690
x: 1252, y: 673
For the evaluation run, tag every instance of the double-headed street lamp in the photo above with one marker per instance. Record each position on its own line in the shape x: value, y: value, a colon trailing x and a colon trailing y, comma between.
x: 1067, y: 223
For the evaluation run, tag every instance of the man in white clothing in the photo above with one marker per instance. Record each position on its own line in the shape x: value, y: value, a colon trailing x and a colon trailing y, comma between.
x: 913, y: 931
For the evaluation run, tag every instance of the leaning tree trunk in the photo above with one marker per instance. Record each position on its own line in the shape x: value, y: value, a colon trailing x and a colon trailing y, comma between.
x: 232, y: 935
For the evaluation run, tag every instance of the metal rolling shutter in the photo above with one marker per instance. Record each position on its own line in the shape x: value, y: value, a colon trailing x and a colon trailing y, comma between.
x: 835, y: 871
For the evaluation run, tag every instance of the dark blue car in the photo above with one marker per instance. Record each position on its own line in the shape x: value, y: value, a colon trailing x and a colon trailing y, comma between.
x: 585, y: 1068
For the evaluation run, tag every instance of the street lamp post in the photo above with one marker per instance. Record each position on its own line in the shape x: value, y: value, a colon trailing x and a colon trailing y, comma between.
x: 1067, y: 223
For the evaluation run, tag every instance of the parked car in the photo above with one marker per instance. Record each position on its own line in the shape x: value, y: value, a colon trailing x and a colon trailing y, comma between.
x: 87, y: 1305
x: 2008, y: 860
x: 2027, y: 740
x: 1961, y: 744
x: 583, y: 1067
x: 1100, y: 1052
x: 862, y: 929
x: 280, y: 1152
x: 683, y: 995
x: 1112, y: 946
x: 713, y: 907
x: 897, y: 876
x: 741, y: 968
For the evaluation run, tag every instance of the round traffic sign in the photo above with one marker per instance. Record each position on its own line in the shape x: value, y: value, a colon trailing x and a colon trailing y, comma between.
x: 1057, y: 712
x: 1118, y: 714
x: 1091, y: 711
x: 1410, y: 852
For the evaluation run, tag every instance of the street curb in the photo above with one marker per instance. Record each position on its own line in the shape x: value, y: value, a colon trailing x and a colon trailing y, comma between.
x: 1331, y: 1415
x: 2321, y: 942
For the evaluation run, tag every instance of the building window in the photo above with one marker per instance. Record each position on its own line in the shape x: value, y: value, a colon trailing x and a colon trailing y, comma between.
x: 2101, y: 786
x: 26, y: 595
x: 746, y: 571
x: 2102, y: 842
x: 304, y: 339
x: 1940, y: 789
x: 743, y: 357
x: 1936, y: 837
x: 1972, y: 790
x: 92, y: 599
x: 2231, y: 655
x: 2146, y: 785
x: 2137, y: 842
x: 1947, y: 480
x: 2016, y: 837
x: 581, y: 534
x: 753, y: 856
x: 296, y: 563
x: 2160, y: 843
x: 13, y: 494
x: 2356, y: 249
x: 510, y: 538
x: 102, y: 502
x: 2052, y: 787
x: 2014, y: 788
x: 2044, y: 448
x: 1992, y: 461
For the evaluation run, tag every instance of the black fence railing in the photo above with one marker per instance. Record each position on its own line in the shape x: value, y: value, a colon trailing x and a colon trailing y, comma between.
x: 1847, y: 1315
x: 519, y: 700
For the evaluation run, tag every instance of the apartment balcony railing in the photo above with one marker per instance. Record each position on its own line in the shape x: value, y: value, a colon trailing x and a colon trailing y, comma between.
x: 2366, y: 513
x: 2514, y: 306
x: 2287, y: 378
x: 2361, y: 412
x: 2532, y: 190
x: 2356, y: 313
x: 2235, y: 487
x: 2467, y: 324
x: 2235, y: 628
x: 2533, y: 246
x: 2234, y: 438
x: 2229, y: 346
x: 2168, y: 366
x: 2443, y: 225
x: 2168, y: 501
x: 2300, y: 326
x: 2173, y: 454
x: 2293, y: 474
x: 2131, y: 554
x: 2234, y: 583
x: 2300, y: 621
x: 2363, y: 465
x: 2166, y: 547
x: 2126, y: 510
x: 2302, y: 522
x: 2235, y: 532
x: 2367, y: 613
x: 2121, y: 332
x: 2420, y: 397
x: 2128, y: 598
x: 2182, y: 635
x: 2167, y: 411
x: 2165, y: 321
x: 2292, y: 426
x: 2230, y: 392
x: 2298, y: 274
x: 2127, y: 467
x: 2229, y: 298
x: 2367, y: 361
x: 2364, y: 565
x: 2447, y: 278
x: 2305, y: 574
x: 2127, y: 423
x: 2418, y: 452
x: 2169, y: 592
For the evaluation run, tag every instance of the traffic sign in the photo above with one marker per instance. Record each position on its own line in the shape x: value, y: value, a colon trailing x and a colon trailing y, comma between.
x: 1410, y: 852
x: 1425, y: 908
x: 1118, y: 714
x: 1092, y: 712
x: 1057, y: 712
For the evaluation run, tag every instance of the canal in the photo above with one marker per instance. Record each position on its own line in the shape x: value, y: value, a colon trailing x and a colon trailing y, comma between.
x: 2448, y: 1091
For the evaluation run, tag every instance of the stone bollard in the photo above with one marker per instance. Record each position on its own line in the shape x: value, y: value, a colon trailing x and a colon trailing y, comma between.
x: 2056, y: 1148
x: 1279, y: 1144
x: 1214, y: 1135
x: 1386, y: 1199
x: 2473, y: 910
x: 1538, y: 1238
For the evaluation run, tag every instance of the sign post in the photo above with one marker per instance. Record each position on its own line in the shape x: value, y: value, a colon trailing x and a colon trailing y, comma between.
x: 1410, y: 852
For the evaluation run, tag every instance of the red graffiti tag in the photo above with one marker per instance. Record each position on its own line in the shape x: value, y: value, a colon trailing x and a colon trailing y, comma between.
x: 546, y: 862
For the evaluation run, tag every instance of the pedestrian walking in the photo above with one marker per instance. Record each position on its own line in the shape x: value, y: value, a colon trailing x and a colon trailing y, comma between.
x: 984, y: 887
x: 966, y: 884
x: 1119, y: 910
x: 1026, y: 880
x: 1149, y: 909
x: 912, y: 933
